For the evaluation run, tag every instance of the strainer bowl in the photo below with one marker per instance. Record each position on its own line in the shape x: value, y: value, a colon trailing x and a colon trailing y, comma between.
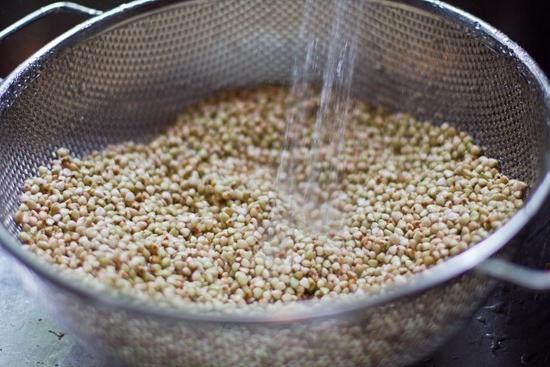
x: 125, y: 74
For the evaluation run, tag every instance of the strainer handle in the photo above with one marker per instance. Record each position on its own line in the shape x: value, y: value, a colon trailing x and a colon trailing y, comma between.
x: 48, y: 9
x: 516, y: 274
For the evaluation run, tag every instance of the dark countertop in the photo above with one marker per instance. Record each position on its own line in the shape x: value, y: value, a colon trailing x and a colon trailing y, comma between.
x: 513, y: 327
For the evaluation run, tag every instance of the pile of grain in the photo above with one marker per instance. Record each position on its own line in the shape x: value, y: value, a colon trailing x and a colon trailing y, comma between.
x: 196, y: 214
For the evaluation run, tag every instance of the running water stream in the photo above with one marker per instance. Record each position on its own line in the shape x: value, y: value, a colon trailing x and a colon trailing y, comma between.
x: 331, y: 60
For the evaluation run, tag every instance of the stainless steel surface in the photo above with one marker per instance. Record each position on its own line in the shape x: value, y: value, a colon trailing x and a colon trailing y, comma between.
x: 125, y: 74
x: 44, y: 11
x: 504, y: 270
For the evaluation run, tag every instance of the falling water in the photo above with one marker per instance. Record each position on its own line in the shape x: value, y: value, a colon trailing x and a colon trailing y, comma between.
x: 334, y: 64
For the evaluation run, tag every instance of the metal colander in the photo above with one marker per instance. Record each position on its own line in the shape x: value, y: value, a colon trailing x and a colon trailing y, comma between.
x: 126, y: 74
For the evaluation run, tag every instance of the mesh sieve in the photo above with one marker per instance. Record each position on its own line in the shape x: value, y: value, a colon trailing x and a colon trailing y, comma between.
x: 129, y: 81
x: 129, y: 77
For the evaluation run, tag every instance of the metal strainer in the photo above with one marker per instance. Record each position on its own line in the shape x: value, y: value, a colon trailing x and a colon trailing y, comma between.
x: 125, y: 74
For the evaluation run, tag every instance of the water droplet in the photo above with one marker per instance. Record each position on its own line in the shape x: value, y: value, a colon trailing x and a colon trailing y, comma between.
x: 82, y: 87
x: 482, y: 320
x: 72, y: 89
x: 497, y: 308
